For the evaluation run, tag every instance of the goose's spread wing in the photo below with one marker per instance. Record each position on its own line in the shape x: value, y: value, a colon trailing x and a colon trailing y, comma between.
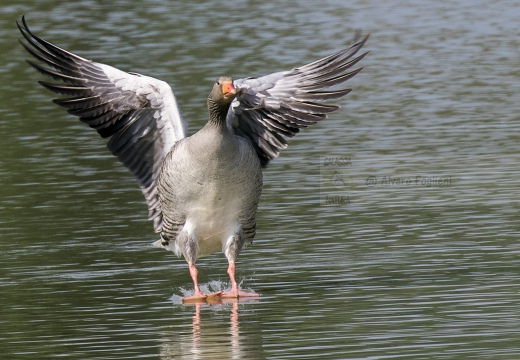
x: 271, y: 108
x: 138, y: 113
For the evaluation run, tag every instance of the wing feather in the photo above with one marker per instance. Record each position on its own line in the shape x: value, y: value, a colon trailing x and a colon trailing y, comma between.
x: 271, y: 108
x: 138, y: 114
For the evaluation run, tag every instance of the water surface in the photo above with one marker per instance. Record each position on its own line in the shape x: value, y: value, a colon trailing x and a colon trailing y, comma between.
x: 420, y: 261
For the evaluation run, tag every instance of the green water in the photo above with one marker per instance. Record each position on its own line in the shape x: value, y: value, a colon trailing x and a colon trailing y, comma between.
x: 419, y: 258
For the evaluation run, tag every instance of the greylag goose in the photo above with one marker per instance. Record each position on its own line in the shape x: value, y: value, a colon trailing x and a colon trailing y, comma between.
x: 202, y: 191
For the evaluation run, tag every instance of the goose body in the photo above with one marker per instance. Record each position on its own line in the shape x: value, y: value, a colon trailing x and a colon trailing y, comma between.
x: 202, y: 191
x: 210, y: 187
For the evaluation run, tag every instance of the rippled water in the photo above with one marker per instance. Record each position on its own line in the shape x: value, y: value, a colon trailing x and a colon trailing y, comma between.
x: 419, y: 259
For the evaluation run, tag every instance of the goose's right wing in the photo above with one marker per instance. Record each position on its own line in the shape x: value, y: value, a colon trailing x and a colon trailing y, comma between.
x: 139, y: 114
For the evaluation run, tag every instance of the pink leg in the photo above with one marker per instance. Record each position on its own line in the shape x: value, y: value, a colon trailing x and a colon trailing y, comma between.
x: 197, y: 294
x: 235, y: 292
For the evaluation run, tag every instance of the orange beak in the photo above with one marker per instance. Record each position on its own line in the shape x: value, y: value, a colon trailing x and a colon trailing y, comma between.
x: 228, y: 89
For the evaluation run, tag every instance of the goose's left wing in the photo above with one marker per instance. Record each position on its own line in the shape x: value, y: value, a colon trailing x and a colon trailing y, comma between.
x: 271, y: 108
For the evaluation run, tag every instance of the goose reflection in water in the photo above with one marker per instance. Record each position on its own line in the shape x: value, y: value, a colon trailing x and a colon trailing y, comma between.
x: 210, y: 334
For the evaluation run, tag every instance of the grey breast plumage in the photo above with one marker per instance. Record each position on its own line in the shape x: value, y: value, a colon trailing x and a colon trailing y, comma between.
x: 210, y: 187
